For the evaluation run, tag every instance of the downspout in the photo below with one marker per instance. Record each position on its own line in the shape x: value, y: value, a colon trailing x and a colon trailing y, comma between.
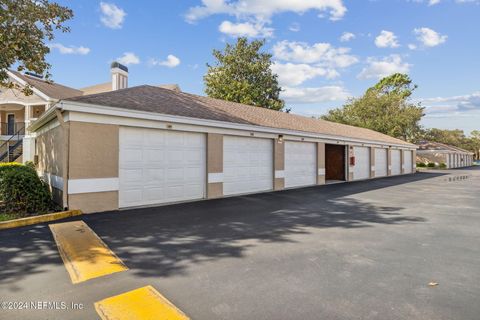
x: 66, y: 145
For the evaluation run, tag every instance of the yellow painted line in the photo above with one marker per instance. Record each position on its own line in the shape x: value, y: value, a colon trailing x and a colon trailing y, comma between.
x: 38, y: 219
x: 84, y: 254
x: 141, y: 304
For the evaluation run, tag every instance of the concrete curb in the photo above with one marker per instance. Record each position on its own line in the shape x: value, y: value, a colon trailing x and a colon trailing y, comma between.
x: 38, y: 219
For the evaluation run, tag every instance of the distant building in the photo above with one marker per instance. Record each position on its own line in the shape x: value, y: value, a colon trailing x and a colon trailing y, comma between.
x: 18, y: 112
x: 438, y: 153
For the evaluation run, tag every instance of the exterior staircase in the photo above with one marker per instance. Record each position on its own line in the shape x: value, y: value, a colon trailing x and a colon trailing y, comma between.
x: 12, y: 149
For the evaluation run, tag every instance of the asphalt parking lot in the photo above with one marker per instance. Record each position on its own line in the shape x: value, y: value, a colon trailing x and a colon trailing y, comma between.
x: 362, y: 250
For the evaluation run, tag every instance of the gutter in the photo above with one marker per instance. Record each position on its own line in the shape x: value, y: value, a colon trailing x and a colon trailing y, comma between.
x: 49, y: 115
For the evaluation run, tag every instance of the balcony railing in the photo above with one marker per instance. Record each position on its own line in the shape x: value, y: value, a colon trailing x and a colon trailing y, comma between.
x: 9, y: 129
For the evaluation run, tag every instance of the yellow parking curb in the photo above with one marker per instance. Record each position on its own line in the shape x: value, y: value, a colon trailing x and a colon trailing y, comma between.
x: 144, y: 303
x: 84, y: 254
x: 38, y: 219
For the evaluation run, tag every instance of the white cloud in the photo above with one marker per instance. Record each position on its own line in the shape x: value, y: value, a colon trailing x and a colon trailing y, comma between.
x: 454, y: 104
x: 69, y: 50
x: 170, y: 62
x: 294, y: 27
x: 265, y: 9
x: 347, y: 36
x: 412, y: 46
x: 129, y: 58
x: 386, y: 39
x: 434, y: 2
x: 379, y: 68
x: 245, y: 29
x: 290, y: 74
x: 429, y: 37
x: 112, y: 16
x: 314, y: 95
x: 323, y: 54
x: 430, y: 2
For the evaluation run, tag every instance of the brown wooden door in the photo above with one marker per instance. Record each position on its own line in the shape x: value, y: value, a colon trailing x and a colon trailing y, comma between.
x: 334, y: 162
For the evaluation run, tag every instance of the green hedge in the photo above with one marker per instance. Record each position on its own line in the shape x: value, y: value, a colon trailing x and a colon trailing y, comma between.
x: 431, y: 165
x: 22, y: 192
x: 421, y: 164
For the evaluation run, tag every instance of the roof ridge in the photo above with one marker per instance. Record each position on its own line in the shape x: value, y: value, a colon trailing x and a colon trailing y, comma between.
x: 291, y: 114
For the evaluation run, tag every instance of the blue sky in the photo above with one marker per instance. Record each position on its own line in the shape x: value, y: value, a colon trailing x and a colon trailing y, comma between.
x: 324, y: 51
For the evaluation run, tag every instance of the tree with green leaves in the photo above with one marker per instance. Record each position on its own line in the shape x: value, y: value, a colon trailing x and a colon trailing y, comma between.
x: 242, y: 74
x: 456, y: 138
x: 385, y: 107
x: 25, y: 25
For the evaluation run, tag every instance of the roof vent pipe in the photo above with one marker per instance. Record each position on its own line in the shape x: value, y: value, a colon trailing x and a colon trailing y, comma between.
x: 119, y: 76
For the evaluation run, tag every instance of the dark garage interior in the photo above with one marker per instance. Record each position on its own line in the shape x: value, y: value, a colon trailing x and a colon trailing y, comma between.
x: 334, y: 162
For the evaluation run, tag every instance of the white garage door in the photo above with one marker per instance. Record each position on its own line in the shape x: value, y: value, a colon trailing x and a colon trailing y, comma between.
x: 300, y: 164
x: 408, y: 161
x: 396, y: 162
x: 381, y: 163
x: 247, y: 165
x: 159, y: 166
x: 362, y: 163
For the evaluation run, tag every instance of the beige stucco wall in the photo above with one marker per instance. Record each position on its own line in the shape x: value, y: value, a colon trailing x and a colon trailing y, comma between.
x: 50, y: 148
x: 93, y: 154
x: 214, y: 164
x: 389, y: 162
x: 372, y: 162
x: 51, y: 152
x: 94, y: 150
x: 15, y: 95
x: 278, y: 163
x: 320, y: 162
x: 94, y: 202
x: 414, y: 160
x: 349, y: 167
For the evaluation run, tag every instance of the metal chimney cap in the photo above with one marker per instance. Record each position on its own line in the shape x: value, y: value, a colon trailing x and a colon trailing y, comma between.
x: 116, y: 64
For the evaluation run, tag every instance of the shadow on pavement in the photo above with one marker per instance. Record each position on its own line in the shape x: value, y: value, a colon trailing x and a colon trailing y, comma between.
x: 162, y: 241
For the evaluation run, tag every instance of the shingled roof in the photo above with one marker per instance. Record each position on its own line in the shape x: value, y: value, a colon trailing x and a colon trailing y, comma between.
x: 170, y: 102
x: 437, y: 146
x: 50, y: 89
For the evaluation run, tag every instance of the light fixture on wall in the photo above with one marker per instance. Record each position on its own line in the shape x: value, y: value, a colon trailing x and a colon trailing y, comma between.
x: 280, y: 138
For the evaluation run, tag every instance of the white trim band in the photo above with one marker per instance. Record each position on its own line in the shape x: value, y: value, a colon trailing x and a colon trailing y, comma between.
x: 215, y: 177
x: 279, y: 173
x: 76, y: 186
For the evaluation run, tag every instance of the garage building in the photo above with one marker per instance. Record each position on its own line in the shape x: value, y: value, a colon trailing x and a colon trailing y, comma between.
x: 438, y: 153
x: 146, y: 145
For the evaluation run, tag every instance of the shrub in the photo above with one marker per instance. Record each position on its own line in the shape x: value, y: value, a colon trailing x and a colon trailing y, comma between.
x: 421, y: 164
x: 443, y: 165
x: 431, y: 165
x: 22, y: 191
